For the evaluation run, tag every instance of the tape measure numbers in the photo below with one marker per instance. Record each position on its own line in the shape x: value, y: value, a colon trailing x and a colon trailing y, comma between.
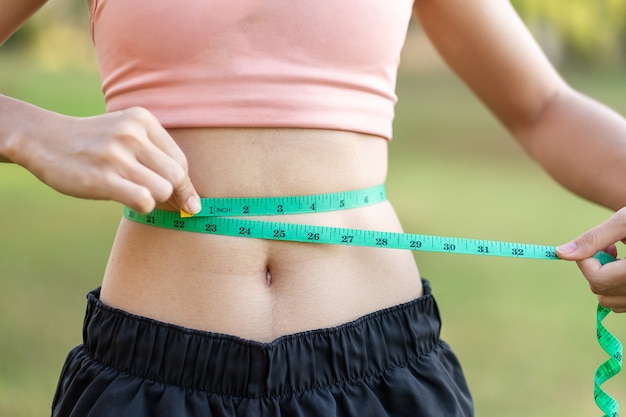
x: 217, y: 215
x: 216, y: 218
x: 312, y: 203
x: 340, y: 236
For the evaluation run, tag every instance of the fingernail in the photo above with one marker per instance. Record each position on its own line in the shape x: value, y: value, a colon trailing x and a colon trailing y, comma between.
x: 193, y: 206
x: 567, y: 248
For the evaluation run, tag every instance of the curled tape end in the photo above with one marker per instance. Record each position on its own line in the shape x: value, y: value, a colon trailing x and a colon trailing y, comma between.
x: 613, y: 347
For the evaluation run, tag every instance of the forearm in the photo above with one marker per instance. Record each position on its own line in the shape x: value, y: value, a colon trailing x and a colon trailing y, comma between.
x: 582, y: 144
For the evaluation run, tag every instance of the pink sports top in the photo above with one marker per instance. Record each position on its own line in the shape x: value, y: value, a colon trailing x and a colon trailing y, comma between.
x: 328, y: 64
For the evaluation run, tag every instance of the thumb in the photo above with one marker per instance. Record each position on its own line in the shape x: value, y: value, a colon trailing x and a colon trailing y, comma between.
x: 601, y: 237
x: 186, y: 197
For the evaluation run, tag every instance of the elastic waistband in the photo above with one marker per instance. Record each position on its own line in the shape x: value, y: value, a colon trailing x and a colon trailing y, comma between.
x: 228, y: 365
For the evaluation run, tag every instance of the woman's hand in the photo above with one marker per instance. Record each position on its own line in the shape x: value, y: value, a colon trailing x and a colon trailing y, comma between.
x: 607, y: 281
x: 125, y: 156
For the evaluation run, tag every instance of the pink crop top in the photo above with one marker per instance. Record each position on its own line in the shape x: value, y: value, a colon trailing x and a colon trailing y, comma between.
x: 328, y: 64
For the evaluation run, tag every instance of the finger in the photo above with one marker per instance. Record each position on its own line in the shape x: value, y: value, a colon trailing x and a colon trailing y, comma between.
x: 186, y: 196
x: 611, y: 250
x: 117, y: 174
x: 160, y: 187
x: 600, y: 237
x: 183, y: 191
x: 129, y: 193
x: 606, y: 280
x: 616, y: 303
x: 125, y: 160
x: 158, y: 135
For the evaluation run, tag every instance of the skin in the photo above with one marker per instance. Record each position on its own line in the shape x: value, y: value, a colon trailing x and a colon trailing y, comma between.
x: 607, y: 281
x: 262, y: 290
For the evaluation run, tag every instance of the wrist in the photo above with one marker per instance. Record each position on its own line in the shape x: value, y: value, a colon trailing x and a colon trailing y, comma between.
x: 14, y: 147
x: 8, y: 148
x: 22, y: 130
x: 15, y: 120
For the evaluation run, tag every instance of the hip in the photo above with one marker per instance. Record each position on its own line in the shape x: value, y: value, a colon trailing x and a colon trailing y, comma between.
x: 348, y: 370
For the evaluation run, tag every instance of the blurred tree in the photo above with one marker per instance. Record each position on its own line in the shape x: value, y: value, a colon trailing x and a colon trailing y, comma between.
x: 56, y: 37
x: 593, y: 31
x: 57, y: 12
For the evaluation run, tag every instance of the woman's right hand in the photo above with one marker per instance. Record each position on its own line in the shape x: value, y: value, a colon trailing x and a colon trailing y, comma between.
x: 125, y: 156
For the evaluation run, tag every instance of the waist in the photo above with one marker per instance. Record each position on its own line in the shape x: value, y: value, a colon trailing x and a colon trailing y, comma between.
x: 259, y: 289
x: 233, y: 162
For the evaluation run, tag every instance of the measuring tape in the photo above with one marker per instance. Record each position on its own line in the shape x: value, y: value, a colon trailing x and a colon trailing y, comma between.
x: 213, y: 220
x: 217, y: 217
x: 613, y: 348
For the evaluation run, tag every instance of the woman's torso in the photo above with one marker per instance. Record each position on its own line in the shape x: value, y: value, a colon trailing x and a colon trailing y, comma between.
x: 259, y: 289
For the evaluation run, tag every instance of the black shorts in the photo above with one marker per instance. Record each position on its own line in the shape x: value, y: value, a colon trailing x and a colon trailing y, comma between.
x: 388, y: 363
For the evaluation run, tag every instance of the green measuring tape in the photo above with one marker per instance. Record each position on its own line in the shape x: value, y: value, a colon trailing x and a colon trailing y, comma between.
x: 613, y: 348
x: 216, y: 218
x: 220, y: 216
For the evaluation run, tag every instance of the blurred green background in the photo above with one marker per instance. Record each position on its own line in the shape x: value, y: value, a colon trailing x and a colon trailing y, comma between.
x: 523, y: 329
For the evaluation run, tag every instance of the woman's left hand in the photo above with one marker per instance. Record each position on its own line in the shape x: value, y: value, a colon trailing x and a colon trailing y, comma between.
x: 607, y: 281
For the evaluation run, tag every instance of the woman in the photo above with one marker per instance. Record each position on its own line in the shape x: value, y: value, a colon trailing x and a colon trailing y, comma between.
x: 258, y: 98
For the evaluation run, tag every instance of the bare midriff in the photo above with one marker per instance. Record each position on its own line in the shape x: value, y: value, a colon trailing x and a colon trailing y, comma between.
x: 259, y: 289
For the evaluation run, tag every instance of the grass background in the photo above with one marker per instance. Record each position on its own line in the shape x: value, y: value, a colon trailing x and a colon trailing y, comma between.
x: 523, y: 329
